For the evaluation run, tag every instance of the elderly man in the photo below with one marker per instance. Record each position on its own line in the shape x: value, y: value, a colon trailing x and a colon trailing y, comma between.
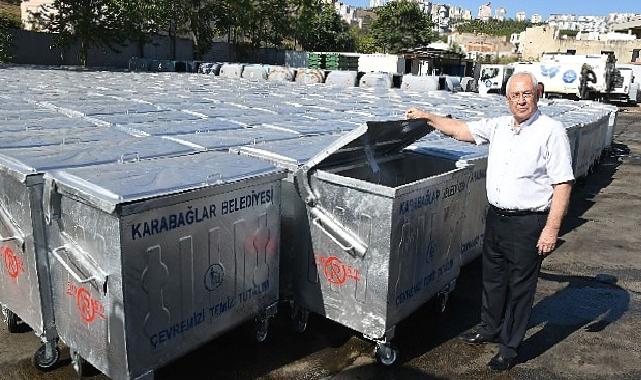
x: 529, y: 181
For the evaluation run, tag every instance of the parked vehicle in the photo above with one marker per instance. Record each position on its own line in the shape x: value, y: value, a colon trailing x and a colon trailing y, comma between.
x: 633, y: 71
x: 494, y: 78
x: 577, y: 76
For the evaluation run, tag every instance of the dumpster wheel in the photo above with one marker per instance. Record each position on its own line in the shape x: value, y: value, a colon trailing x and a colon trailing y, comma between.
x: 12, y: 321
x: 46, y: 361
x: 300, y: 317
x: 386, y: 354
x: 262, y: 328
x: 82, y: 367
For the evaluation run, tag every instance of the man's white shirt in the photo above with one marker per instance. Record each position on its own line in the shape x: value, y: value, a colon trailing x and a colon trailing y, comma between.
x: 524, y: 163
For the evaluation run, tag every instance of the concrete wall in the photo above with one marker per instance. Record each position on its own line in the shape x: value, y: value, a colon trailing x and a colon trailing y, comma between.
x: 224, y: 52
x: 538, y: 40
x: 36, y: 48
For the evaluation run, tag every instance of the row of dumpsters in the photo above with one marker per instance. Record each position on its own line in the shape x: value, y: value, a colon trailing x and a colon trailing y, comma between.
x: 370, y: 78
x: 143, y: 215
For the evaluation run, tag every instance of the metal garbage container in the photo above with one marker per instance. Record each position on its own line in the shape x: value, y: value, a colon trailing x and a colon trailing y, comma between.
x: 476, y: 204
x: 25, y: 291
x: 44, y: 137
x: 231, y: 70
x: 152, y: 259
x: 170, y: 128
x: 290, y: 155
x: 385, y: 228
x: 59, y: 122
x: 223, y: 140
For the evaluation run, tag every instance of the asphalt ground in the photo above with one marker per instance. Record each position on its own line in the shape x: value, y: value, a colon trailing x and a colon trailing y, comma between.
x: 586, y: 322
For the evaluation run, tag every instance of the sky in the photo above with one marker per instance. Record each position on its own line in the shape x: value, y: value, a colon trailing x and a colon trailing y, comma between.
x: 544, y: 8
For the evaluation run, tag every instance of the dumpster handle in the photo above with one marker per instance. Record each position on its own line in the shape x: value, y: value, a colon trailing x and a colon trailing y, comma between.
x: 337, y: 233
x: 76, y: 276
x: 346, y: 248
x: 16, y: 238
x: 129, y: 158
x: 10, y: 238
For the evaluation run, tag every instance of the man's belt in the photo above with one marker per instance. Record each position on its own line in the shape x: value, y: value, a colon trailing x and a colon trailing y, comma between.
x: 516, y: 212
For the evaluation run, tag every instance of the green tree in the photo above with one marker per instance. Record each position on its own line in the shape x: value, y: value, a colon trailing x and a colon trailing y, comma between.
x: 207, y: 20
x: 142, y: 19
x: 401, y: 24
x: 173, y: 17
x: 323, y: 30
x: 90, y: 23
x: 363, y: 42
x: 267, y: 22
x: 492, y: 27
x: 6, y: 36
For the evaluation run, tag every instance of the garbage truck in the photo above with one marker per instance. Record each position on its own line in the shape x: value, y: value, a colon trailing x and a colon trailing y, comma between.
x: 577, y: 76
x: 626, y: 87
x: 494, y: 77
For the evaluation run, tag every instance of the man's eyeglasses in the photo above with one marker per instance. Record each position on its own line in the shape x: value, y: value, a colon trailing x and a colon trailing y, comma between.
x: 514, y: 96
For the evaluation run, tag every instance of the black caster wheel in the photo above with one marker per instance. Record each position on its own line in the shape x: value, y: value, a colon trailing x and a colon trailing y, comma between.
x: 46, y: 357
x: 300, y: 319
x: 262, y: 328
x: 442, y: 302
x: 386, y: 354
x: 12, y: 321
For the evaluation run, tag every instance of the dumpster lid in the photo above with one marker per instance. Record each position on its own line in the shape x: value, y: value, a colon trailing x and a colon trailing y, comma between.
x: 44, y: 137
x: 225, y: 139
x: 24, y: 162
x: 289, y: 154
x: 110, y: 185
x: 374, y: 139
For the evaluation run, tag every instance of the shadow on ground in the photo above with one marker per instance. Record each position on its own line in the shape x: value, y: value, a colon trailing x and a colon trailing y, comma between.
x: 589, y: 303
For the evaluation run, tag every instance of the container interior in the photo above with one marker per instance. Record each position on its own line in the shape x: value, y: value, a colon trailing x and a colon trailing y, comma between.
x: 399, y: 170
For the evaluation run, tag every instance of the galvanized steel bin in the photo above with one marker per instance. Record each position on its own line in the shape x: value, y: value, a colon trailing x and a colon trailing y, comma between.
x: 476, y: 205
x: 25, y: 290
x: 291, y: 155
x: 152, y: 259
x: 385, y: 228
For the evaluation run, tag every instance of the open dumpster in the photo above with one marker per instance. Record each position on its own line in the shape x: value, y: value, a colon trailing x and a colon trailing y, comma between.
x: 476, y: 205
x: 25, y: 291
x: 385, y: 228
x: 150, y: 260
x: 290, y: 155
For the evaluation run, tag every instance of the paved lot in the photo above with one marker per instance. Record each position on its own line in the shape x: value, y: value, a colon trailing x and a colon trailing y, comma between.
x: 586, y: 322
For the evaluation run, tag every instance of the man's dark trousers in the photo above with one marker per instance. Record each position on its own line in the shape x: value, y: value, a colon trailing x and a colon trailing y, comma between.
x: 511, y: 265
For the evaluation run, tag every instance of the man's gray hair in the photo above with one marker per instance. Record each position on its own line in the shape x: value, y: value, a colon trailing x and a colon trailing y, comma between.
x: 535, y: 82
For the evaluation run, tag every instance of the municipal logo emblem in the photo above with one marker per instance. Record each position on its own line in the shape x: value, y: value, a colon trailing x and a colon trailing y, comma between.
x: 569, y: 76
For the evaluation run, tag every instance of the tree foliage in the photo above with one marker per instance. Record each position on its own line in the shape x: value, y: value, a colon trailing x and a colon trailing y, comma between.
x: 312, y: 25
x: 364, y: 43
x: 493, y: 27
x: 401, y: 24
x: 6, y: 36
x: 91, y: 23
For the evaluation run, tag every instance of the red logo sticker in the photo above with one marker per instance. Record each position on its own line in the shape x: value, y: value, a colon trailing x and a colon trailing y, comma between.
x: 88, y: 307
x: 335, y: 271
x: 12, y: 262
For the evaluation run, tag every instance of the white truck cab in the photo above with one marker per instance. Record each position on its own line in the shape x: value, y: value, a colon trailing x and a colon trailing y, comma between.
x: 493, y: 78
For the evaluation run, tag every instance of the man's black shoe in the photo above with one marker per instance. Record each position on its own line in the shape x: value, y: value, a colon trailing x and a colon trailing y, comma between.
x: 477, y: 338
x: 500, y: 364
